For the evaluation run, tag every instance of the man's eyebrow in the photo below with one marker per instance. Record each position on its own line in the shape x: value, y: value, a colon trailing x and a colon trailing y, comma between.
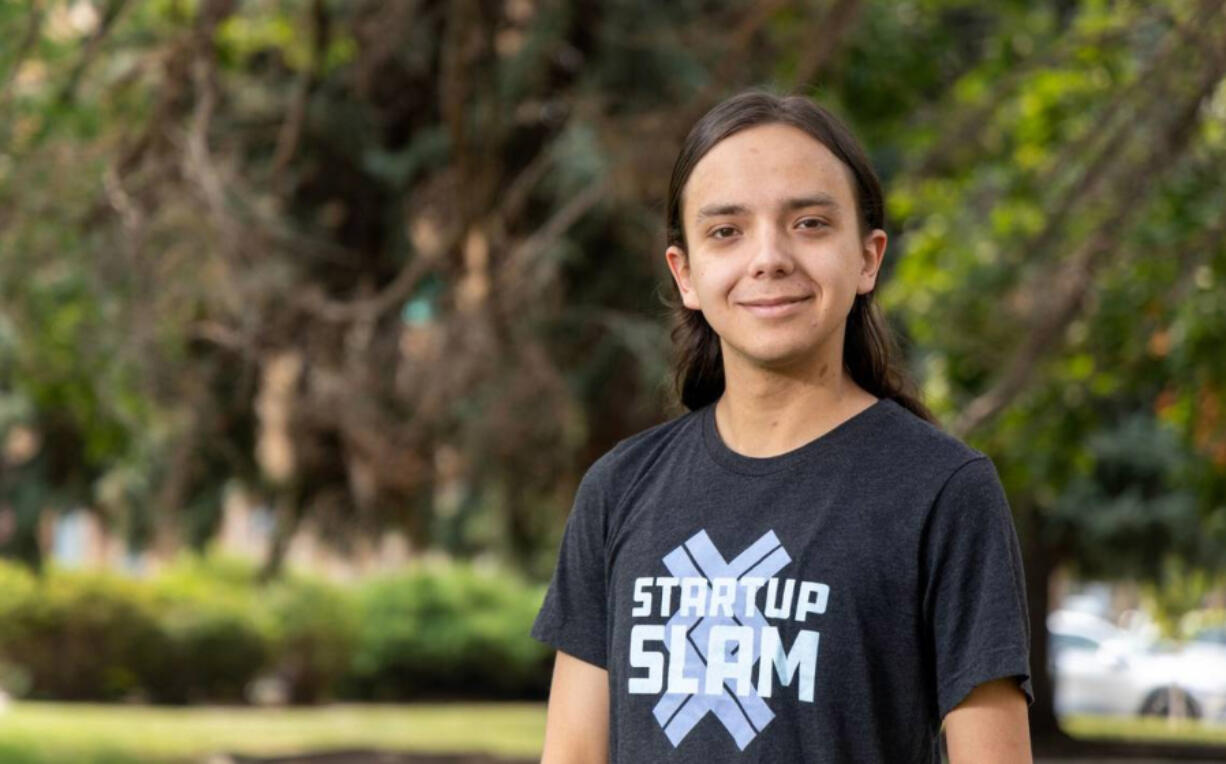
x: 794, y: 203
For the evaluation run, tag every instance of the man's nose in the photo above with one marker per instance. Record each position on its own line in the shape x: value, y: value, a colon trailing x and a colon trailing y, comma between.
x: 772, y: 251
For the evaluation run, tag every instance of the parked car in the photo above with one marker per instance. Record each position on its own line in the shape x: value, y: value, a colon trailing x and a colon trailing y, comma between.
x: 1210, y: 636
x: 1099, y: 668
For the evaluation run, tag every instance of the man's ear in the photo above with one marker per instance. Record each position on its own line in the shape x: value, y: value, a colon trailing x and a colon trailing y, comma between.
x: 679, y: 266
x: 873, y: 254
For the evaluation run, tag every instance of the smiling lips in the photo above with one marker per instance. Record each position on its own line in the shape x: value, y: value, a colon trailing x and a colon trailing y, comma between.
x: 776, y: 300
x: 775, y: 306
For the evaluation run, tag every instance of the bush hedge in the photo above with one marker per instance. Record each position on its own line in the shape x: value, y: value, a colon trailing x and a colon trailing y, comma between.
x: 204, y: 630
x: 447, y: 632
x: 78, y: 637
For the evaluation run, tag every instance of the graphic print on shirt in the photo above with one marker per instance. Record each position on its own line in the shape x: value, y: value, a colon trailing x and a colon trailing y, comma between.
x: 716, y: 638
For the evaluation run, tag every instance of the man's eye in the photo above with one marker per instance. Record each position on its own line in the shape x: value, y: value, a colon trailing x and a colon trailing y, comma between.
x: 721, y: 228
x: 820, y: 223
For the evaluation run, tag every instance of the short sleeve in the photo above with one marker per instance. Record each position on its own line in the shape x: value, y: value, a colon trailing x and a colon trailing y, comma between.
x: 974, y: 589
x: 572, y: 617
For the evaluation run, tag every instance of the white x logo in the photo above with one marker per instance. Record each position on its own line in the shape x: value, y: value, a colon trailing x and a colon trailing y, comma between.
x: 744, y: 716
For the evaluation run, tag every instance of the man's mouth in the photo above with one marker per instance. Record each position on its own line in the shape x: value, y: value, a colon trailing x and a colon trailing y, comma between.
x: 771, y: 301
x: 775, y: 307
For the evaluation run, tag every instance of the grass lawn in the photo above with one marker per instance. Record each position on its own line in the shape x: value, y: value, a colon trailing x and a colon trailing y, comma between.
x: 42, y: 733
x: 1143, y: 728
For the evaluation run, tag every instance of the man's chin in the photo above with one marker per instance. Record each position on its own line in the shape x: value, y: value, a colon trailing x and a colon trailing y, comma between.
x: 780, y: 359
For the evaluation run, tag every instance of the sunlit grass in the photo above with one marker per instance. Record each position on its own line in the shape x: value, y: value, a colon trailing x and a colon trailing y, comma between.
x: 47, y: 733
x: 118, y: 734
x: 1143, y: 729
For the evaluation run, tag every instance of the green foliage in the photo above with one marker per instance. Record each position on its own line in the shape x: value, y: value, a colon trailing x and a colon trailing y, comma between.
x: 1129, y: 503
x: 81, y: 636
x: 202, y: 630
x: 317, y: 627
x: 18, y: 587
x: 220, y: 634
x: 450, y: 630
x: 1114, y: 434
x: 1177, y: 593
x: 171, y: 212
x: 1196, y: 620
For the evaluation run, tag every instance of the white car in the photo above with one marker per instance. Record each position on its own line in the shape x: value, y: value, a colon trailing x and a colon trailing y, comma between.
x: 1099, y: 668
x: 1211, y: 637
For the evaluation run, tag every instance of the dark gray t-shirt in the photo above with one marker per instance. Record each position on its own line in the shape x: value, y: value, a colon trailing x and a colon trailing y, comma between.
x: 829, y: 604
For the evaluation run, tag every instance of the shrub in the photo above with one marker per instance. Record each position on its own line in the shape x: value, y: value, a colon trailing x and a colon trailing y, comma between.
x: 447, y: 631
x: 17, y: 586
x: 203, y: 629
x: 219, y: 634
x: 316, y: 633
x: 81, y: 637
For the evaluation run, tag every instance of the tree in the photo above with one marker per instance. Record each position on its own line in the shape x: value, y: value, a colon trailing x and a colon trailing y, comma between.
x: 397, y: 264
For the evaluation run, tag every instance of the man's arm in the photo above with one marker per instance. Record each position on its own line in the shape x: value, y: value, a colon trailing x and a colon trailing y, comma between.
x: 577, y: 717
x: 991, y: 725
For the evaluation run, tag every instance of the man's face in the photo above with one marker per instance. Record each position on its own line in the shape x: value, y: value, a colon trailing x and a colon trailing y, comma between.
x: 769, y: 213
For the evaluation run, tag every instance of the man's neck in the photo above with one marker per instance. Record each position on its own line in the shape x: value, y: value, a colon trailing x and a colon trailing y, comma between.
x: 765, y: 413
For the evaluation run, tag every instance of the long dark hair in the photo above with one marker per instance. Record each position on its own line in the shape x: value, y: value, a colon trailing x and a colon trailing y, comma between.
x: 870, y: 352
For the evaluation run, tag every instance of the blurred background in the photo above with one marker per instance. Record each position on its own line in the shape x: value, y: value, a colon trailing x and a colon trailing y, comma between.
x: 313, y: 312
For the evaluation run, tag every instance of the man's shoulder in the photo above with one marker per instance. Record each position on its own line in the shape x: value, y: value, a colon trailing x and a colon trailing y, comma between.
x: 924, y: 444
x: 630, y: 455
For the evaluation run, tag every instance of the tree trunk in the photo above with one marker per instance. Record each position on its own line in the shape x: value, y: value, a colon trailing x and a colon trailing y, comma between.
x: 1039, y: 564
x: 285, y: 524
x: 522, y: 540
